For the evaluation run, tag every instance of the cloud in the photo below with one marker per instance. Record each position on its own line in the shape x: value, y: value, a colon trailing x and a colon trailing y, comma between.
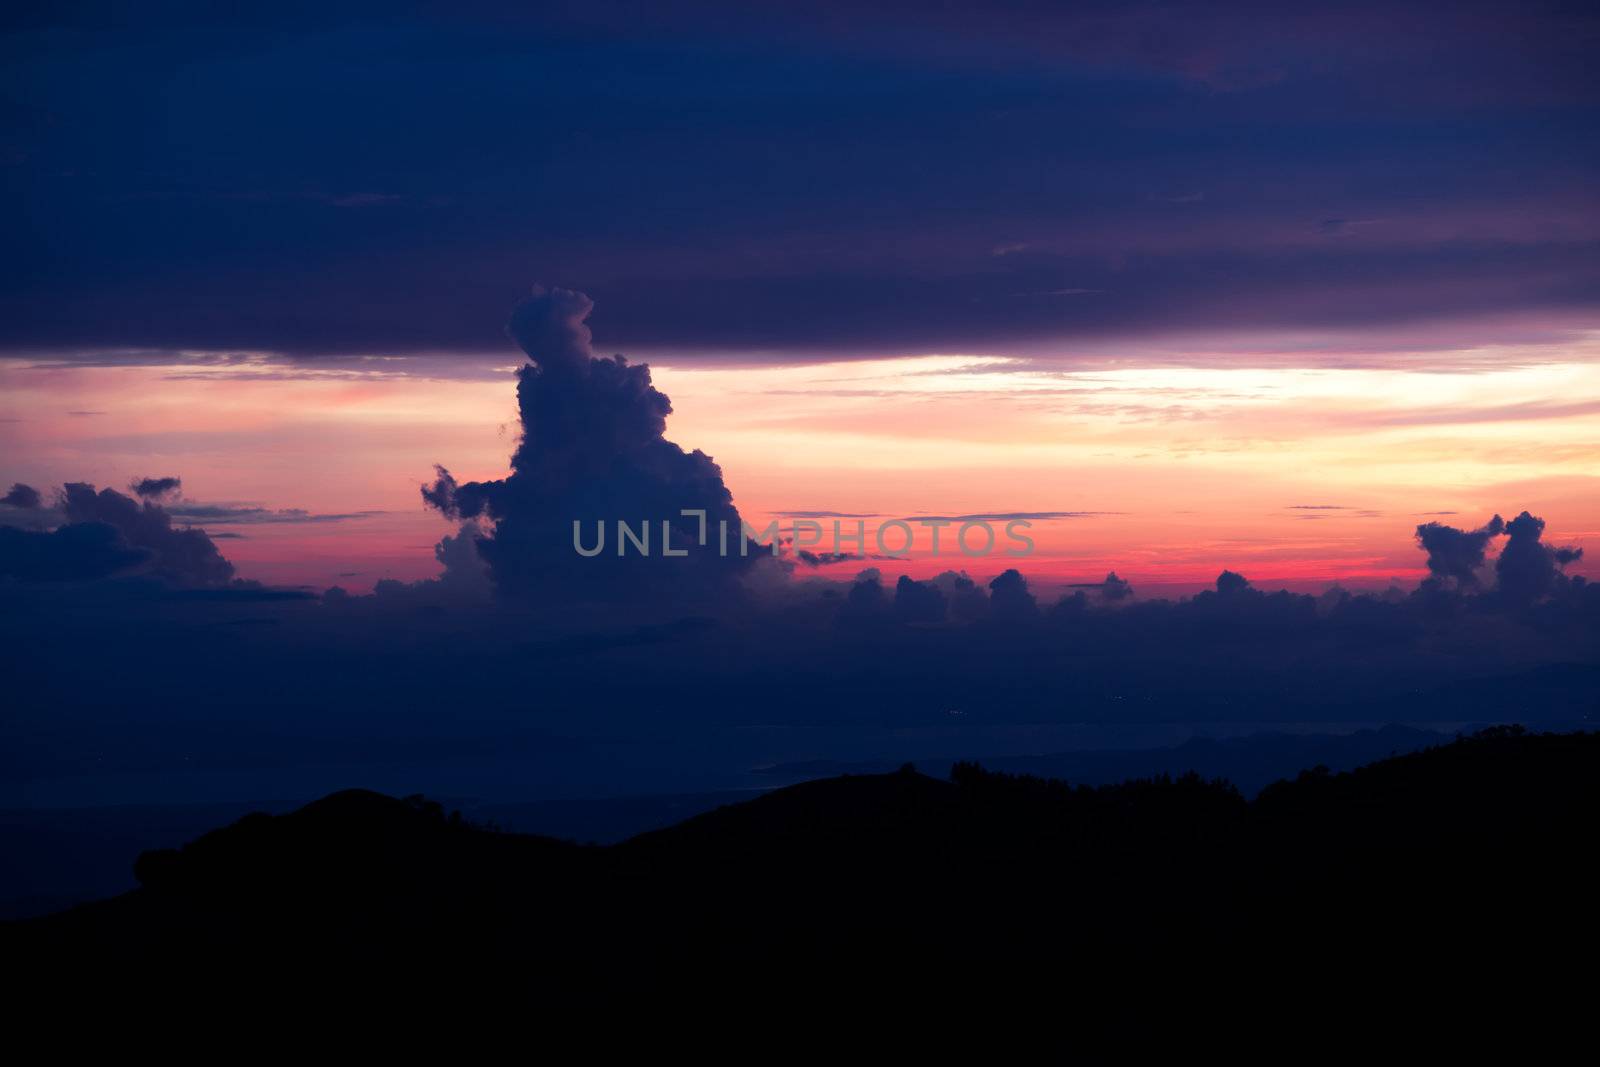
x: 807, y: 558
x: 76, y: 552
x: 1009, y: 598
x: 1526, y: 411
x: 828, y: 515
x: 865, y: 602
x: 21, y: 496
x: 1009, y: 516
x: 464, y: 572
x: 594, y: 453
x: 1343, y: 227
x: 1230, y: 584
x: 1111, y: 589
x: 104, y: 358
x: 966, y: 600
x: 918, y: 602
x: 104, y: 534
x: 155, y: 488
x: 1455, y: 556
x: 183, y: 557
x: 1528, y: 569
x: 741, y: 261
x: 194, y: 513
x: 1114, y: 588
x: 732, y: 692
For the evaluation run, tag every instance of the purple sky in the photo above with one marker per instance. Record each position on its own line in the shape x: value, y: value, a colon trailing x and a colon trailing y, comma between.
x: 851, y: 179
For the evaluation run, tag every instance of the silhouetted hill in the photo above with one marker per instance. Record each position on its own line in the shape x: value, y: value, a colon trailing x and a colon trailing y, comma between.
x: 54, y: 858
x: 1250, y: 762
x: 825, y: 814
x: 1466, y: 860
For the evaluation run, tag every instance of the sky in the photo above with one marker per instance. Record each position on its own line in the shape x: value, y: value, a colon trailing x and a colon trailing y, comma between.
x: 1245, y: 288
x: 320, y: 325
x: 1298, y: 476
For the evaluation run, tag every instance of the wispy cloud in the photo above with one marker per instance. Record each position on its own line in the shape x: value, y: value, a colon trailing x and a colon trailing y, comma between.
x: 194, y: 514
x: 1530, y: 410
x: 829, y: 514
x: 1008, y: 516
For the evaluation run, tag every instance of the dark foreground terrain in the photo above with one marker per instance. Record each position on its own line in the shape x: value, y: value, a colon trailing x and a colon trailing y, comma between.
x: 1428, y: 882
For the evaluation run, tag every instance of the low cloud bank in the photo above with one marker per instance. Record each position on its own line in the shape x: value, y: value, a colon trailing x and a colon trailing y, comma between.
x: 105, y: 534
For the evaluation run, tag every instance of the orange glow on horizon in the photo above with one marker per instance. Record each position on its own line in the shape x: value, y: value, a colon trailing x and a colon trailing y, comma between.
x: 1294, y: 476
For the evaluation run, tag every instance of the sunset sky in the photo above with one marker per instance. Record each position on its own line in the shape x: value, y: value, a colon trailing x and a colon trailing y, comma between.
x: 1225, y: 291
x: 321, y: 324
x: 1296, y: 475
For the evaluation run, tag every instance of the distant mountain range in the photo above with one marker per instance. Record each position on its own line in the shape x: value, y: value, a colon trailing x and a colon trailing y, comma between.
x: 1468, y: 860
x: 1250, y: 762
x: 51, y: 859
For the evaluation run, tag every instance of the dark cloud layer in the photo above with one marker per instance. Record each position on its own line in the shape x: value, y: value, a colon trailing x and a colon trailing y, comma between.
x: 414, y: 685
x: 816, y: 178
x: 916, y: 601
x: 76, y: 552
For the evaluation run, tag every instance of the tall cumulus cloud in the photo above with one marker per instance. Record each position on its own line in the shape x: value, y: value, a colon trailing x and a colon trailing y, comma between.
x: 593, y: 451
